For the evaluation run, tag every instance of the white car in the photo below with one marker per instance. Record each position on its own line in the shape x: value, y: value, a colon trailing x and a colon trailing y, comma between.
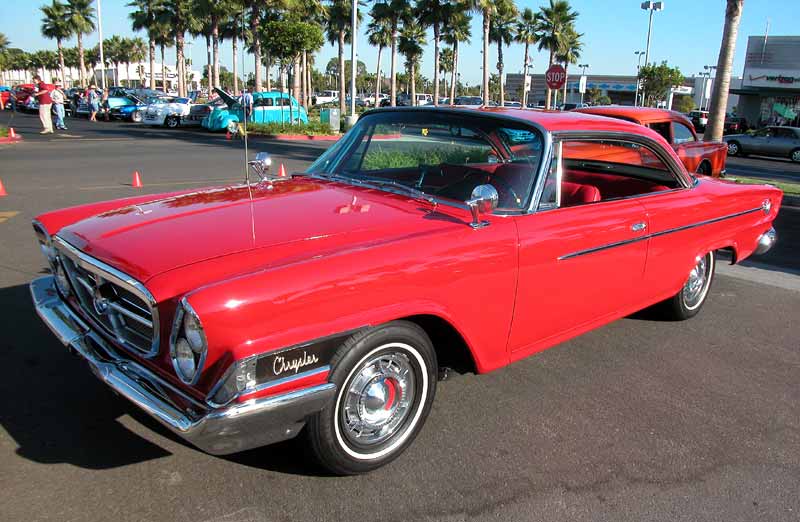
x: 326, y: 97
x: 424, y: 99
x: 370, y: 100
x: 169, y: 111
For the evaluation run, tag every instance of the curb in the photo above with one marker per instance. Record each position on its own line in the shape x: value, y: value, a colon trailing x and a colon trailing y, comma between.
x: 299, y: 137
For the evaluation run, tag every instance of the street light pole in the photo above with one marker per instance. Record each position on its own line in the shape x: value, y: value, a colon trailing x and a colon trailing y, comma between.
x: 639, y: 55
x: 583, y: 67
x: 709, y: 71
x: 100, y: 36
x: 652, y: 7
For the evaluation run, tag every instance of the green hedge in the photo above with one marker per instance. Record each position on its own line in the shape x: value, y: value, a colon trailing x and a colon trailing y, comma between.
x: 414, y: 157
x: 313, y: 128
x: 3, y: 131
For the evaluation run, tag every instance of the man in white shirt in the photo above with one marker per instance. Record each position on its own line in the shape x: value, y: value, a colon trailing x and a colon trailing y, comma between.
x: 58, y: 106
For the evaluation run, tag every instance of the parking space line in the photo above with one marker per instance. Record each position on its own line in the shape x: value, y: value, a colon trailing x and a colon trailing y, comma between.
x: 5, y: 216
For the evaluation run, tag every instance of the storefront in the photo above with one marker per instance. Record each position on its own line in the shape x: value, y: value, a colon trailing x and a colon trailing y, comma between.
x: 770, y: 90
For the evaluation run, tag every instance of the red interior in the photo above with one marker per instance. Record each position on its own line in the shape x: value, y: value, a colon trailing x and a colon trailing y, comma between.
x: 610, y: 185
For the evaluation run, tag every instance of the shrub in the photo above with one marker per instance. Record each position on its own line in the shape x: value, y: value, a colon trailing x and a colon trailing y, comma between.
x: 313, y: 128
x: 3, y: 131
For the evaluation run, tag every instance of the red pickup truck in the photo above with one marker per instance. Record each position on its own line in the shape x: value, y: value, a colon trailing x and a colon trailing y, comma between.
x: 703, y: 157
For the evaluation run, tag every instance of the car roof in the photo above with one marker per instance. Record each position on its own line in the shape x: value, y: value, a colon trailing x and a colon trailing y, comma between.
x: 640, y: 114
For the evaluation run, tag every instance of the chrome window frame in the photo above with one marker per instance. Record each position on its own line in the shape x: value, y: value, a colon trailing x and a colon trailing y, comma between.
x: 119, y: 278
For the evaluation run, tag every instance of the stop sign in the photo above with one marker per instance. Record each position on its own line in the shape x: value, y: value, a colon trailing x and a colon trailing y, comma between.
x: 555, y: 76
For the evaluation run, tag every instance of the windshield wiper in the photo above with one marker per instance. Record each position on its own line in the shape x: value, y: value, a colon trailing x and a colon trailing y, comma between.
x: 380, y: 184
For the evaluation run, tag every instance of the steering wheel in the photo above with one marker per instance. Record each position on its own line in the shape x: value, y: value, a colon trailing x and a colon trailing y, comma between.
x: 505, y: 190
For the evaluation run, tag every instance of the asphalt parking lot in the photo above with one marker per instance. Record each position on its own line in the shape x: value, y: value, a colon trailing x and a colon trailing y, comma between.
x: 639, y: 420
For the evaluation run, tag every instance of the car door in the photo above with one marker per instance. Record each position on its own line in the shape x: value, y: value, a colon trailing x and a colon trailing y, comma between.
x: 582, y: 254
x: 784, y: 141
x: 758, y: 143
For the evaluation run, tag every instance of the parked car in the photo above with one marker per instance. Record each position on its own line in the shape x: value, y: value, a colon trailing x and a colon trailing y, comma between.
x: 699, y: 119
x: 370, y: 101
x: 26, y: 101
x: 5, y: 94
x: 268, y: 107
x: 127, y: 108
x: 469, y: 101
x: 325, y: 97
x: 780, y: 142
x: 703, y: 157
x: 424, y: 99
x: 403, y: 100
x: 572, y: 106
x: 327, y: 301
x: 734, y: 125
x: 512, y: 104
x: 199, y: 111
x: 166, y: 110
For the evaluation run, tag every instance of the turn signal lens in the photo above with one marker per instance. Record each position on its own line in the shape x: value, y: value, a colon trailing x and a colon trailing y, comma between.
x: 62, y: 282
x: 184, y: 360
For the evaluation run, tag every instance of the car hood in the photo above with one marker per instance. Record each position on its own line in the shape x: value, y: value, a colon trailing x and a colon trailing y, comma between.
x: 301, y: 213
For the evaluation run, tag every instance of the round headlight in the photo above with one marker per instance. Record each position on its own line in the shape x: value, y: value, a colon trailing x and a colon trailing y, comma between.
x: 61, y: 278
x: 184, y: 360
x: 193, y: 332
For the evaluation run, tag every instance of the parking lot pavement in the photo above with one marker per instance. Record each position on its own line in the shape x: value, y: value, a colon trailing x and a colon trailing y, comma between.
x: 639, y: 420
x: 764, y: 167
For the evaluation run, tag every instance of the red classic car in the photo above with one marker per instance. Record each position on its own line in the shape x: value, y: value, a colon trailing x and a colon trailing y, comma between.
x: 703, y: 157
x: 424, y: 239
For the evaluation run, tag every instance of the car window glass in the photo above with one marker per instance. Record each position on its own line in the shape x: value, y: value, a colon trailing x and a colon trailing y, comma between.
x: 784, y: 133
x: 593, y: 171
x: 681, y: 133
x: 662, y: 127
x: 263, y: 102
x: 764, y: 133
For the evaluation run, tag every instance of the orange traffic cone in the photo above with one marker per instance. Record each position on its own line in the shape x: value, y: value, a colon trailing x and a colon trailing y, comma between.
x: 12, y: 135
x: 2, y: 189
x: 137, y: 181
x: 282, y: 171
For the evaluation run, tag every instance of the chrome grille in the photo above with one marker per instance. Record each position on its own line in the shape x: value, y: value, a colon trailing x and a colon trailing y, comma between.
x: 117, y: 302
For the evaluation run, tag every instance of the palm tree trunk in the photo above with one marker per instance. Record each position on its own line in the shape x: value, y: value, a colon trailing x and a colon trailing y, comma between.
x: 412, y: 74
x: 525, y: 77
x: 454, y: 73
x: 128, y: 73
x: 163, y: 69
x: 719, y: 94
x: 548, y: 96
x: 215, y: 50
x: 151, y: 44
x: 436, y: 38
x: 486, y: 21
x: 235, y: 46
x: 310, y: 86
x: 209, y: 63
x: 60, y: 45
x: 254, y: 25
x: 296, y: 78
x: 341, y: 75
x: 566, y: 76
x: 378, y: 76
x: 500, y: 72
x: 179, y: 42
x: 82, y: 62
x: 268, y: 73
x: 304, y: 82
x: 393, y: 88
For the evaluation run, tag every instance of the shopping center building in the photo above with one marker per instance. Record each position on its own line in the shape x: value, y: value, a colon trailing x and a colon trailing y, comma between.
x: 770, y: 89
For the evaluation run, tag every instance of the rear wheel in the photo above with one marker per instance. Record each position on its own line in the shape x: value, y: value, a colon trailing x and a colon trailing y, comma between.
x: 704, y: 168
x: 386, y: 381
x: 734, y: 149
x: 136, y: 117
x: 688, y: 302
x: 795, y: 155
x: 172, y: 122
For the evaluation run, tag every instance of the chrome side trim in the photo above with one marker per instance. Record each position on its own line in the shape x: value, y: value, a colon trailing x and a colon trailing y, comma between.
x: 271, y: 384
x: 120, y: 278
x: 656, y: 234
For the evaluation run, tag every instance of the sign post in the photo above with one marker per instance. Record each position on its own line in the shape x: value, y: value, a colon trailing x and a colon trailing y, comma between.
x: 582, y: 86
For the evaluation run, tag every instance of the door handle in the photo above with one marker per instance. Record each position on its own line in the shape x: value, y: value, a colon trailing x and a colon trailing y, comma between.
x: 638, y: 227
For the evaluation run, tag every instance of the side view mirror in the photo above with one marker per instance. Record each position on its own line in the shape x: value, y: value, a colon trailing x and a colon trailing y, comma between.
x: 261, y: 165
x: 483, y: 200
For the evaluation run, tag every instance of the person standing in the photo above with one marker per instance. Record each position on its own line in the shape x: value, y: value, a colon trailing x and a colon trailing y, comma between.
x: 247, y: 103
x: 59, y: 98
x: 94, y: 102
x: 45, y: 105
x: 105, y: 104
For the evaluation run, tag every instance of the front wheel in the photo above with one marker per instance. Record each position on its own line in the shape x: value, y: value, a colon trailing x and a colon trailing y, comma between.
x: 136, y: 117
x: 734, y: 149
x: 795, y: 155
x: 386, y: 381
x: 172, y: 122
x: 690, y: 299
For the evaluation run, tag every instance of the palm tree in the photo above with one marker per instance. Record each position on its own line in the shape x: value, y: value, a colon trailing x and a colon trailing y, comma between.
x: 178, y: 15
x: 527, y: 33
x: 215, y: 12
x: 570, y: 53
x: 487, y: 8
x: 456, y: 31
x: 162, y: 38
x: 719, y: 94
x: 446, y: 64
x: 557, y: 20
x: 4, y: 58
x: 434, y: 14
x: 137, y: 51
x: 115, y: 51
x: 338, y: 32
x: 56, y: 26
x: 379, y: 34
x: 232, y: 29
x: 80, y: 16
x: 501, y: 31
x: 393, y: 12
x: 145, y: 18
x: 412, y: 38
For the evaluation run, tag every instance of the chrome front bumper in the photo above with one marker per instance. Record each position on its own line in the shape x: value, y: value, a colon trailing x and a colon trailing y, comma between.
x: 766, y: 241
x: 219, y: 431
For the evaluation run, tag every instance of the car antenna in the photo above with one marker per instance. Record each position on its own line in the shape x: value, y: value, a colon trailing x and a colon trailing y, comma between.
x: 244, y: 132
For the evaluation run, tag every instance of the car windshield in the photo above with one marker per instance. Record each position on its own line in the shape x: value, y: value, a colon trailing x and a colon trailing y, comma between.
x: 439, y: 154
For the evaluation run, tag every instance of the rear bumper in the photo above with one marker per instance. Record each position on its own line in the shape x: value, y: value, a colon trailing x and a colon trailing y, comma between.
x: 766, y: 241
x: 217, y: 431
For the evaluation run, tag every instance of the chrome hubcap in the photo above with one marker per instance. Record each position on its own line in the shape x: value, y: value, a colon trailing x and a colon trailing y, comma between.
x: 732, y: 148
x: 378, y: 399
x: 796, y: 155
x: 695, y: 287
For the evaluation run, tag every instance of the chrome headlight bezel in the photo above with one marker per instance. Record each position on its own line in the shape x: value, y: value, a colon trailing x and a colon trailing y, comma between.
x: 187, y: 320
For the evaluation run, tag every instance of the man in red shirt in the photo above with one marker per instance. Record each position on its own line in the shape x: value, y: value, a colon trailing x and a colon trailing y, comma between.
x: 45, y: 105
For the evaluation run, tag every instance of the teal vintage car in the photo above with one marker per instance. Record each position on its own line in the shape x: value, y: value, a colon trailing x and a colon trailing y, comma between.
x: 268, y: 107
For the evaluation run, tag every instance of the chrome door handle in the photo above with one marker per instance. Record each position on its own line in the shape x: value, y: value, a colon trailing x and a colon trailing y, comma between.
x: 638, y: 227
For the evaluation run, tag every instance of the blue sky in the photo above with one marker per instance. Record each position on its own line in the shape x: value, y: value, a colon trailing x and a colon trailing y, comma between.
x: 686, y: 33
